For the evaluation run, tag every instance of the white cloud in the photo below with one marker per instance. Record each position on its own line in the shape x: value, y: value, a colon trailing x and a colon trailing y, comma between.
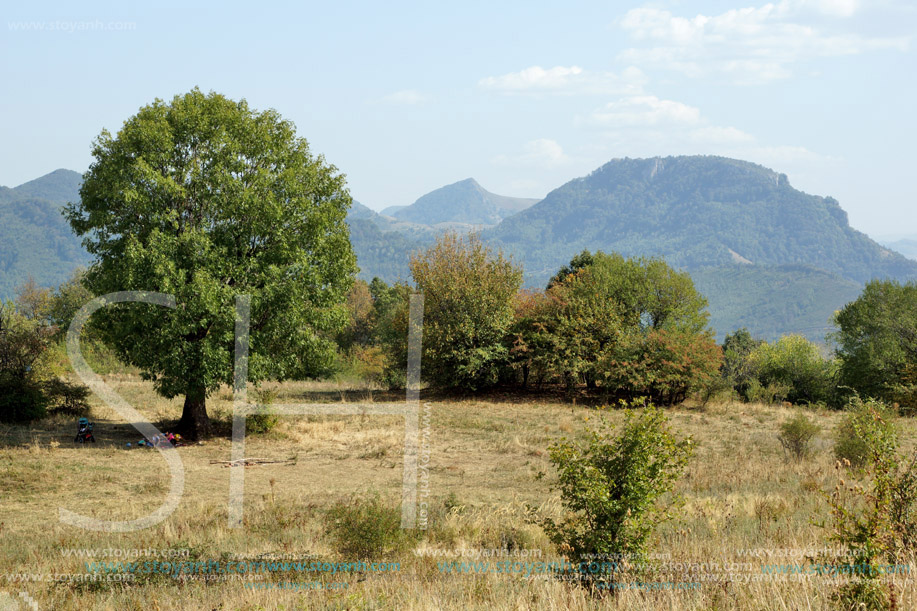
x: 645, y: 110
x: 647, y: 125
x: 543, y: 153
x: 565, y: 80
x: 407, y: 97
x: 749, y: 45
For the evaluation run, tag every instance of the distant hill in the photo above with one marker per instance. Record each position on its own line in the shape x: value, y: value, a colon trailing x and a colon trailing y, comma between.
x: 35, y: 240
x: 906, y: 246
x: 391, y: 210
x: 59, y: 186
x: 464, y: 202
x: 774, y: 300
x: 734, y: 225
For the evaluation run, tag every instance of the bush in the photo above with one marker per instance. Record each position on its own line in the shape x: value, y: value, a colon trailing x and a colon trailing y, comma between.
x: 263, y: 420
x: 366, y: 528
x: 613, y: 487
x: 874, y: 520
x: 867, y: 425
x: 23, y: 345
x: 795, y: 435
x: 737, y: 369
x: 797, y: 364
x: 21, y: 400
x: 771, y: 394
x: 66, y: 398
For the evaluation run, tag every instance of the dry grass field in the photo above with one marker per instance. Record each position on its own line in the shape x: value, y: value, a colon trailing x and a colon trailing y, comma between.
x: 741, y: 490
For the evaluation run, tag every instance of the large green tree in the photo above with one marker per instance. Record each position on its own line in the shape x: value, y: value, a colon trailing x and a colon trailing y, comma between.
x: 877, y: 341
x: 204, y: 198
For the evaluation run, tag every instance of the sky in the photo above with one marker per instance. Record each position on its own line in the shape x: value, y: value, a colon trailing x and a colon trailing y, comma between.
x: 407, y: 97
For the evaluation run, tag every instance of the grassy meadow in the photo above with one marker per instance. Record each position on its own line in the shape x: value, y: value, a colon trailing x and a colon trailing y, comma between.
x: 741, y: 491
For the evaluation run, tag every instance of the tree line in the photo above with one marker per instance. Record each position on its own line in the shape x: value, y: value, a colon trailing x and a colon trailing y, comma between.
x: 620, y: 328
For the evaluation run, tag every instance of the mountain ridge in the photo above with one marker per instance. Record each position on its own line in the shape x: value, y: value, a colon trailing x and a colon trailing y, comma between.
x: 766, y: 255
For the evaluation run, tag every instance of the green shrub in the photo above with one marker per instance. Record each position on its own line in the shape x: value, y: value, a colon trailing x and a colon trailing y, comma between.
x: 66, y: 398
x: 867, y: 424
x: 874, y: 519
x: 21, y: 400
x: 666, y: 366
x: 367, y: 528
x: 23, y: 347
x: 613, y: 488
x: 263, y: 420
x: 796, y: 433
x: 737, y: 369
x: 795, y: 363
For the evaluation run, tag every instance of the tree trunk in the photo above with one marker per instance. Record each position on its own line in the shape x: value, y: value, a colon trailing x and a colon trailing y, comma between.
x: 195, y: 423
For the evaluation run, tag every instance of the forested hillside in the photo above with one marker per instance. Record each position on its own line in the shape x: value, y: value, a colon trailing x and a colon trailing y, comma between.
x: 35, y: 239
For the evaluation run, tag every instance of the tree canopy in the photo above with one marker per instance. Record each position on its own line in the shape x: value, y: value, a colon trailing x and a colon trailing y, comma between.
x: 877, y: 342
x: 204, y: 198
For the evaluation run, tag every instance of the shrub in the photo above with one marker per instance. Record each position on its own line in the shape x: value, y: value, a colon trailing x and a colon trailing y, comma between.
x: 737, y: 369
x: 771, y: 394
x: 796, y: 433
x: 66, y: 398
x: 263, y: 420
x: 797, y: 364
x: 612, y: 489
x: 366, y: 528
x: 874, y: 520
x: 868, y: 424
x: 21, y: 400
x: 468, y: 290
x: 23, y: 345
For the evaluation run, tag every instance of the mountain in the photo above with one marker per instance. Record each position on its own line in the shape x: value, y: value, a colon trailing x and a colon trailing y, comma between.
x: 906, y: 246
x: 58, y: 186
x: 391, y: 210
x: 766, y: 255
x: 380, y: 251
x: 463, y: 203
x: 697, y: 212
x: 771, y: 301
x: 35, y: 239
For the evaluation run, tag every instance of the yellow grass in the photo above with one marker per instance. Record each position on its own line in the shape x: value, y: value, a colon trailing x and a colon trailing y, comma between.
x: 741, y: 492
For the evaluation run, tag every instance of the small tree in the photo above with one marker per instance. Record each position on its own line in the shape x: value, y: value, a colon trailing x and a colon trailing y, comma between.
x: 205, y: 199
x: 866, y: 423
x: 468, y: 291
x: 23, y: 343
x: 873, y: 519
x: 666, y: 366
x: 613, y: 490
x: 737, y: 369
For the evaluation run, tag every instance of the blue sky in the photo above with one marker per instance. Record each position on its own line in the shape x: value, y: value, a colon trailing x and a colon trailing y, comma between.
x: 407, y: 97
